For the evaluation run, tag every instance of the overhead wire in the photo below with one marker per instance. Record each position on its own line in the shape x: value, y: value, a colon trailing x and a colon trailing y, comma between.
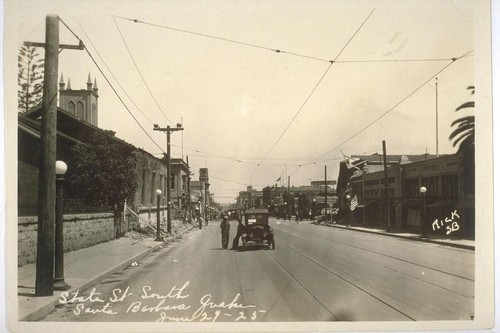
x: 139, y: 71
x: 312, y: 92
x: 227, y: 180
x: 112, y: 87
x: 234, y: 41
x: 221, y: 38
x: 277, y: 51
x: 112, y: 75
x: 452, y: 61
x: 289, y: 53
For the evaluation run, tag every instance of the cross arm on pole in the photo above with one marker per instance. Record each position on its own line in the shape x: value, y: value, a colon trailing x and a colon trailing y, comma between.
x: 168, y: 129
x: 61, y: 46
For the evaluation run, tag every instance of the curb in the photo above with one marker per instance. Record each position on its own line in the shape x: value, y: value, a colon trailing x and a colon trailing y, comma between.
x: 48, y: 308
x: 415, y: 238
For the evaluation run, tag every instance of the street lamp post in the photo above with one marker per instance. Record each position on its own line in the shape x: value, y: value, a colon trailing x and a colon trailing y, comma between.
x: 348, y: 198
x: 423, y: 191
x: 314, y: 208
x: 158, y: 196
x: 59, y: 283
x: 200, y: 198
x: 168, y: 130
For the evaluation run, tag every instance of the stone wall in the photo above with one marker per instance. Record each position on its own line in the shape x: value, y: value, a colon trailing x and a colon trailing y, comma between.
x: 80, y: 231
x: 149, y: 215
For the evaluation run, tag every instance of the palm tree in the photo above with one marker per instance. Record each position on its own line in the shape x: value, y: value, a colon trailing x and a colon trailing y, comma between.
x: 463, y: 135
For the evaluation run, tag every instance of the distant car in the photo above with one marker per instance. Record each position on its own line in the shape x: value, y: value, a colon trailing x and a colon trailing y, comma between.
x: 257, y: 230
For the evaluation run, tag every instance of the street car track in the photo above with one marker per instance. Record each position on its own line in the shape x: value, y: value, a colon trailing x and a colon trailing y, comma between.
x: 304, y: 287
x: 334, y: 273
x: 375, y: 252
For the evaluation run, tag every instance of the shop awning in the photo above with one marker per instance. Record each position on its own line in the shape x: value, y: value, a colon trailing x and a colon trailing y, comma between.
x: 441, y: 203
x: 366, y: 202
x: 409, y: 203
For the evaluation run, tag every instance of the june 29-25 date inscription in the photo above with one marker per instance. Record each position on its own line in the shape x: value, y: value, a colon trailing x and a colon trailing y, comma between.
x: 173, y: 306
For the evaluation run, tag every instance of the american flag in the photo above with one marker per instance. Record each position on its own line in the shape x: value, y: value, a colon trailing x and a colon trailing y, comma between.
x: 356, y: 163
x: 354, y: 202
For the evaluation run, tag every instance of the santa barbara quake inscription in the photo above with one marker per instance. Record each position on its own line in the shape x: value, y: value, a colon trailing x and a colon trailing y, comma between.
x: 169, y: 307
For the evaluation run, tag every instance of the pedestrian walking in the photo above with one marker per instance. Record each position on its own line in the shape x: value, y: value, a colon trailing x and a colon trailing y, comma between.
x: 224, y: 229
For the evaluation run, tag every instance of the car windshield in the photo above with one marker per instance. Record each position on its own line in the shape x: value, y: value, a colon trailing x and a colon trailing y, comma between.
x: 256, y: 219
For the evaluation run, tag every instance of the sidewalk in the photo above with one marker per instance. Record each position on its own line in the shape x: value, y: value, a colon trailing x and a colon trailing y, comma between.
x: 82, y: 269
x: 442, y: 240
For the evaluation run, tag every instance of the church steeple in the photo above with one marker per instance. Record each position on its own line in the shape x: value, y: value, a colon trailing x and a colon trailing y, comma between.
x: 81, y: 103
x: 62, y: 85
x: 95, y: 89
x: 89, y: 83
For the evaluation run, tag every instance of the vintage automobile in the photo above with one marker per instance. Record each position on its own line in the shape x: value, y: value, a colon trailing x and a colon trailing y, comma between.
x: 257, y: 230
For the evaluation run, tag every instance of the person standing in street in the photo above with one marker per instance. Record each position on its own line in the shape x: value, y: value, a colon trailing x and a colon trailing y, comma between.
x: 224, y: 228
x: 239, y: 232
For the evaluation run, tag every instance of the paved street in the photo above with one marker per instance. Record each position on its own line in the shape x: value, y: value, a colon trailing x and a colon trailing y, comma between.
x: 315, y: 273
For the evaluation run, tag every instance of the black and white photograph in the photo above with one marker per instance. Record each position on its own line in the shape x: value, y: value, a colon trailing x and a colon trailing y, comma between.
x: 216, y: 166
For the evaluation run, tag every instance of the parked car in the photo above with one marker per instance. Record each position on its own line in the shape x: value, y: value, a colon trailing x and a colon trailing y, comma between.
x: 257, y: 230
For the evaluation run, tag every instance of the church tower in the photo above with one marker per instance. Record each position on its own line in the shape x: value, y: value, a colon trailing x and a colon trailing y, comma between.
x: 80, y: 103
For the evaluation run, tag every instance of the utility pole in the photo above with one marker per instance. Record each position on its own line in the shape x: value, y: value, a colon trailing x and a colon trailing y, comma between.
x: 47, y: 168
x: 437, y: 129
x: 189, y: 190
x: 44, y: 284
x: 47, y: 190
x: 326, y: 194
x: 168, y: 130
x: 387, y: 208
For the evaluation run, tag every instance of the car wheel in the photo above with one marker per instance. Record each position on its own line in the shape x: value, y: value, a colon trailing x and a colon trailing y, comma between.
x: 272, y: 244
x: 244, y: 245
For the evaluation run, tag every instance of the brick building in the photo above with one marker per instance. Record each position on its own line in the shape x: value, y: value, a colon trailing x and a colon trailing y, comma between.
x: 76, y: 122
x: 443, y: 178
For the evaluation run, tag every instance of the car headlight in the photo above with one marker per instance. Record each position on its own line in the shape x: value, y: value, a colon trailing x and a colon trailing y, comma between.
x: 244, y: 234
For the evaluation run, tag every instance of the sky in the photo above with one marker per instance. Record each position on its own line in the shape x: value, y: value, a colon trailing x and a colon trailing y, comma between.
x: 340, y: 84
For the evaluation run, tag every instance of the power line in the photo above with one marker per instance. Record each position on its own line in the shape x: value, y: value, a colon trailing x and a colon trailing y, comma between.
x: 112, y: 88
x: 227, y: 180
x: 275, y: 50
x: 291, y: 121
x: 139, y: 71
x: 395, y: 106
x: 239, y: 160
x: 313, y: 90
x: 114, y: 77
x: 391, y: 60
x: 389, y: 110
x: 221, y: 39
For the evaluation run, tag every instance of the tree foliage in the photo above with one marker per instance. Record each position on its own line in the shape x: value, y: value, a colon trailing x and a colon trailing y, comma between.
x: 102, y: 173
x: 463, y: 136
x: 30, y: 68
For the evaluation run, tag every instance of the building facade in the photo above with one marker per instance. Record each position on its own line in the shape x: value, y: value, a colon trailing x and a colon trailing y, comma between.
x: 76, y: 126
x: 406, y: 206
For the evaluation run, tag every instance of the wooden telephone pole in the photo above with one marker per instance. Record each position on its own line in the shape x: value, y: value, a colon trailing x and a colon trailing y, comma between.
x: 44, y: 285
x: 386, y: 186
x: 44, y: 282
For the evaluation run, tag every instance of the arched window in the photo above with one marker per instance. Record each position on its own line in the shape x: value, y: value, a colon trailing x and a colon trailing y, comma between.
x: 153, y: 188
x: 143, y: 189
x: 71, y: 108
x: 94, y: 114
x: 80, y: 111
